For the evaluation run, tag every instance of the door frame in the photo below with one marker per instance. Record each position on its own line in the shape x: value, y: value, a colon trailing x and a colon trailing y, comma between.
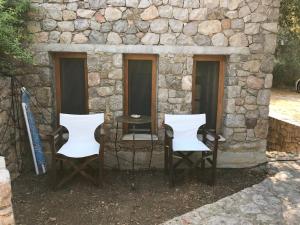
x: 154, y: 60
x: 221, y: 60
x: 57, y: 56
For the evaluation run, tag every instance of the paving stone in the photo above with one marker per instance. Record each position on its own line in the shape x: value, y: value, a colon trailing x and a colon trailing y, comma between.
x: 269, y: 202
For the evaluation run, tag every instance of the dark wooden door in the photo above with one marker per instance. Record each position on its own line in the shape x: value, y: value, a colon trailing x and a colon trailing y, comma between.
x: 73, y: 99
x: 208, y: 89
x: 71, y: 83
x: 140, y: 87
x: 207, y: 80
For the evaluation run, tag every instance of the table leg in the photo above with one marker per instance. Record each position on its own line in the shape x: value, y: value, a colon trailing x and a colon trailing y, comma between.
x: 151, y: 146
x: 133, y: 157
x: 116, y: 151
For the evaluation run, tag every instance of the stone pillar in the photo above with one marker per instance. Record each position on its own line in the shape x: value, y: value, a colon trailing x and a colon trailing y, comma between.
x: 6, y: 211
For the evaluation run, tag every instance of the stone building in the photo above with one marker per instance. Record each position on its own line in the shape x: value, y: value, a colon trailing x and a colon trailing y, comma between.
x: 213, y: 56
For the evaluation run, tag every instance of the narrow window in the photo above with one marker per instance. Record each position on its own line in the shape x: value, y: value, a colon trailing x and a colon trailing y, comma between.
x: 71, y: 83
x: 208, y: 89
x: 140, y: 87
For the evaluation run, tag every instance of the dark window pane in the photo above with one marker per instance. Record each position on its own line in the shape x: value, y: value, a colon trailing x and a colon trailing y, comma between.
x: 206, y: 99
x: 72, y: 80
x: 139, y: 88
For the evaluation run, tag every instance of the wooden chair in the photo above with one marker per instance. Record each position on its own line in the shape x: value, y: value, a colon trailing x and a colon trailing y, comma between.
x: 184, y: 141
x: 81, y: 146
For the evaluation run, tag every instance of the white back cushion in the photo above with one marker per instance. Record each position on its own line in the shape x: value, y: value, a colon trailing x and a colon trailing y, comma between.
x: 185, y: 125
x: 185, y: 129
x: 81, y: 127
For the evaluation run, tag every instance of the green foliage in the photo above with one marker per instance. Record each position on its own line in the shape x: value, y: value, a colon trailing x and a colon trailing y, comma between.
x: 13, y: 35
x: 287, y: 68
x: 290, y: 18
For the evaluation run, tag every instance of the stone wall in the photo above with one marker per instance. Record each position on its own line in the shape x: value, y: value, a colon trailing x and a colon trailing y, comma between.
x: 164, y: 22
x: 176, y: 30
x: 283, y: 136
x: 6, y: 211
x: 8, y: 136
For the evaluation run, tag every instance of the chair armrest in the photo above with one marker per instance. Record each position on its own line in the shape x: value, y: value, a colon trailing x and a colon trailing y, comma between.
x: 55, y: 137
x: 58, y: 131
x: 213, y: 134
x: 168, y: 132
x: 211, y: 139
x: 100, y: 136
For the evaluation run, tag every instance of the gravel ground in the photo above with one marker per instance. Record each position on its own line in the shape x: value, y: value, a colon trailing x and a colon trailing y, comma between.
x: 81, y: 203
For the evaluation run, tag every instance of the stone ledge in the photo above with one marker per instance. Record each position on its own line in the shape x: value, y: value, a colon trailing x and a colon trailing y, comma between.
x: 142, y: 49
x: 2, y: 163
x: 226, y: 159
x: 284, y: 118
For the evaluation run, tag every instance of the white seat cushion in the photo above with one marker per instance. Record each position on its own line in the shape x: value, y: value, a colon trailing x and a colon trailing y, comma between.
x: 139, y: 137
x: 79, y: 149
x: 189, y: 145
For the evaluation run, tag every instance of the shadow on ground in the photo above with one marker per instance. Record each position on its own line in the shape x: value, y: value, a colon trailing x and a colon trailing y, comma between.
x: 81, y: 203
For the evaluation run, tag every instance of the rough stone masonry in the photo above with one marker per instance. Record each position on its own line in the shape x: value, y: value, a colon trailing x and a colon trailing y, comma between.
x: 8, y: 135
x: 242, y: 30
x: 6, y: 211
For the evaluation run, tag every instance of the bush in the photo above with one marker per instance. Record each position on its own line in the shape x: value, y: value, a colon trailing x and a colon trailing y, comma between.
x: 287, y: 68
x: 13, y: 35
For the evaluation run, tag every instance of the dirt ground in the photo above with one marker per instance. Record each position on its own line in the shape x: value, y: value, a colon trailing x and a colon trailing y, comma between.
x: 153, y: 202
x: 285, y: 104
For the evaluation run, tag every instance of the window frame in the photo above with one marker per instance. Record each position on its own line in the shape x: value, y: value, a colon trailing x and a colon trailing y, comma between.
x: 70, y: 55
x: 221, y: 60
x: 139, y: 57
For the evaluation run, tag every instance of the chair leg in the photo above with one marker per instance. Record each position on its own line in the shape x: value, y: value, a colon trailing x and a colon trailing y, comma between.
x: 166, y: 166
x: 101, y: 167
x: 61, y: 165
x: 54, y: 173
x: 171, y: 168
x: 214, y: 168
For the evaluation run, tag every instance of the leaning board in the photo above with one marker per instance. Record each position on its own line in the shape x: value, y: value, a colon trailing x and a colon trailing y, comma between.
x: 33, y: 135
